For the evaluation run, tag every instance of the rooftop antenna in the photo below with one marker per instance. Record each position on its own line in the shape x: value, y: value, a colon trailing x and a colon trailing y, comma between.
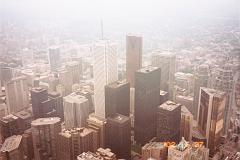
x: 102, y: 29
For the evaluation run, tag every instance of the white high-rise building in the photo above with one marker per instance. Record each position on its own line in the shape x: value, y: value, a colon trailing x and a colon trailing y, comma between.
x: 17, y: 94
x: 104, y: 72
x: 76, y: 110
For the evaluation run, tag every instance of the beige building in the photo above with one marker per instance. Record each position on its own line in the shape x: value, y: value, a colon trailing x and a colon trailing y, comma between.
x: 186, y: 125
x: 155, y: 150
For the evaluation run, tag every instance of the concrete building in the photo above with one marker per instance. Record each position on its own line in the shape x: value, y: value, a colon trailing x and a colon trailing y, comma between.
x: 166, y: 61
x: 104, y: 72
x: 186, y: 126
x: 117, y: 98
x: 98, y: 125
x: 133, y: 57
x: 76, y: 110
x: 202, y: 78
x: 54, y: 58
x: 147, y: 87
x: 72, y: 143
x: 12, y: 148
x: 180, y: 151
x: 10, y: 125
x: 44, y: 133
x: 154, y: 150
x: 211, y: 116
x: 57, y: 103
x: 118, y: 135
x: 38, y: 95
x: 224, y: 82
x: 75, y: 70
x: 163, y: 97
x: 17, y: 94
x: 168, y: 122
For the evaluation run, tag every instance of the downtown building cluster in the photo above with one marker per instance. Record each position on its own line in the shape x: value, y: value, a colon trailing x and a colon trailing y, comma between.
x: 73, y: 109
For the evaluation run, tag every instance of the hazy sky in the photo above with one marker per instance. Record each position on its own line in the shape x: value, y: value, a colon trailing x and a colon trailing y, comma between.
x: 116, y: 9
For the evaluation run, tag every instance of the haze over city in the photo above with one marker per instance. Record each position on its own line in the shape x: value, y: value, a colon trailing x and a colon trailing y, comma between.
x: 119, y: 79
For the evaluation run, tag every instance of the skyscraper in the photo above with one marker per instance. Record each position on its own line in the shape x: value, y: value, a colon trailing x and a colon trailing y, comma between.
x: 104, y: 72
x: 75, y: 69
x: 98, y: 125
x: 201, y: 77
x: 17, y: 94
x: 224, y: 82
x: 54, y: 58
x: 168, y: 122
x: 12, y: 148
x: 118, y: 135
x: 147, y: 88
x: 211, y: 116
x: 76, y: 110
x: 166, y: 61
x: 155, y: 150
x: 133, y: 57
x: 186, y: 125
x: 57, y: 102
x: 117, y: 98
x: 44, y: 133
x: 72, y: 143
x: 38, y: 95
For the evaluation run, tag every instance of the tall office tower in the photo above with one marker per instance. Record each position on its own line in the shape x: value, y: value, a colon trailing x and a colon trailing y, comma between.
x: 57, y: 103
x: 133, y: 57
x: 80, y: 62
x: 25, y: 118
x: 98, y: 125
x: 54, y: 58
x: 52, y: 82
x: 10, y: 125
x: 6, y: 74
x: 3, y: 110
x: 166, y: 61
x: 211, y: 116
x: 147, y: 87
x: 163, y: 97
x: 186, y: 101
x: 12, y: 148
x: 66, y: 79
x: 17, y: 94
x: 184, y: 81
x: 168, y: 122
x: 27, y: 143
x: 118, y: 135
x: 117, y: 98
x: 104, y: 72
x: 101, y: 154
x: 201, y: 77
x: 75, y: 69
x: 186, y: 126
x: 72, y: 143
x: 44, y: 133
x: 180, y: 151
x: 38, y: 95
x: 89, y: 95
x: 155, y: 150
x: 76, y: 110
x: 224, y: 82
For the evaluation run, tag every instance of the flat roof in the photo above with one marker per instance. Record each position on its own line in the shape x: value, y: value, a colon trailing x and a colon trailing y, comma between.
x: 45, y: 121
x: 11, y: 143
x: 169, y: 105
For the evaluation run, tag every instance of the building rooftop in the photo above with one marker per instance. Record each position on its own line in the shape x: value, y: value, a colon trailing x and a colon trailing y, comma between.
x: 11, y: 143
x: 162, y: 93
x: 147, y: 69
x: 213, y: 92
x: 118, y: 118
x: 45, y: 121
x: 117, y: 84
x: 24, y: 114
x: 9, y: 118
x: 169, y: 105
x: 75, y: 98
x: 38, y: 89
x: 154, y: 145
